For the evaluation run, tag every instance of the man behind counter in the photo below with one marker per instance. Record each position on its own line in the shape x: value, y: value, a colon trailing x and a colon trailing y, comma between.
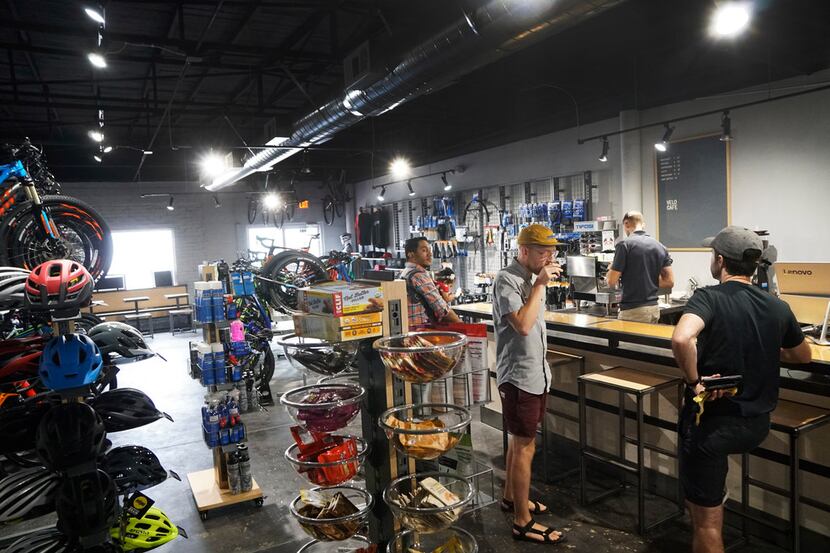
x: 644, y: 265
x: 426, y: 303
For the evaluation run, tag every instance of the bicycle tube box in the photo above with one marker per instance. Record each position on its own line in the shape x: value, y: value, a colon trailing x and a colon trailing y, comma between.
x: 331, y: 328
x: 338, y: 298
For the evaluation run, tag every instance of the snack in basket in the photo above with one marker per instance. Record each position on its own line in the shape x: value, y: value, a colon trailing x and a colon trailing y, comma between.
x: 328, y: 419
x: 420, y: 366
x: 429, y: 494
x: 319, y: 506
x: 424, y: 446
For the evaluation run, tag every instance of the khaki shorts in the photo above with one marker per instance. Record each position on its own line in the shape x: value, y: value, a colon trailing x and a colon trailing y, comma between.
x: 644, y: 314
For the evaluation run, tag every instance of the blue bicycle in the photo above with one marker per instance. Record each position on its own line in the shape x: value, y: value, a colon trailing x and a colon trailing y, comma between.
x: 38, y: 224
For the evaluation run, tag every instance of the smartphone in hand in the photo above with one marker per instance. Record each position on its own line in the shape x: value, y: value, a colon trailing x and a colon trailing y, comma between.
x: 721, y: 382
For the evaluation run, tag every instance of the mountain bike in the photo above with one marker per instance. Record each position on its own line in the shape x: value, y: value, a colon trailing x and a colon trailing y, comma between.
x: 37, y: 227
x: 334, y: 202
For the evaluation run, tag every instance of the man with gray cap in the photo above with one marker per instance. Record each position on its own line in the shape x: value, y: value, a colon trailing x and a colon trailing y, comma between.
x: 731, y: 329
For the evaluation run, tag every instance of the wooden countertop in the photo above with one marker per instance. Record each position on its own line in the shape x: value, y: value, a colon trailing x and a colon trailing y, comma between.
x: 821, y: 354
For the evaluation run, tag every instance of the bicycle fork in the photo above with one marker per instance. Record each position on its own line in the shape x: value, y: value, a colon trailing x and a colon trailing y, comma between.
x: 46, y: 225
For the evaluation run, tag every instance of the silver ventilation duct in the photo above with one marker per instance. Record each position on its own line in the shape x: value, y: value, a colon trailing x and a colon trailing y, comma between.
x: 497, y: 29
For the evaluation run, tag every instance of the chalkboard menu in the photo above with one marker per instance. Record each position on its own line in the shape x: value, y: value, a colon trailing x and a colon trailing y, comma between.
x: 692, y: 191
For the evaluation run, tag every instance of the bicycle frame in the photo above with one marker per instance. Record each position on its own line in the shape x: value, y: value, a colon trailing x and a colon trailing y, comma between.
x: 16, y: 171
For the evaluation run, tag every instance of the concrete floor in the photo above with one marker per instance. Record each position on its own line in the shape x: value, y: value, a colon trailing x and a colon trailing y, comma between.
x: 271, y: 529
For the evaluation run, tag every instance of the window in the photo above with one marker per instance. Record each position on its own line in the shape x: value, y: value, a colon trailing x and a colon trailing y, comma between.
x: 297, y: 237
x: 138, y: 254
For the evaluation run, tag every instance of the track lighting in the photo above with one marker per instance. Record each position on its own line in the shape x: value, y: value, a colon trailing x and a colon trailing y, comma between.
x: 409, y: 185
x: 107, y: 149
x: 603, y: 157
x: 447, y: 185
x: 663, y: 145
x: 382, y: 194
x: 170, y: 206
x: 217, y: 202
x: 730, y: 19
x: 726, y: 127
x: 306, y: 170
x: 212, y: 164
x: 97, y: 60
x: 97, y: 136
x: 95, y: 15
x: 97, y: 158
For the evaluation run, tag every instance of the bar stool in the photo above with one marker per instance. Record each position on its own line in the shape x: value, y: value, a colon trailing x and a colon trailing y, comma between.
x: 136, y: 318
x: 639, y: 384
x: 185, y: 312
x: 794, y: 420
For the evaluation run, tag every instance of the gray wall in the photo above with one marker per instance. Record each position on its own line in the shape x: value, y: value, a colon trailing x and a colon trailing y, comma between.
x: 201, y: 231
x: 779, y: 168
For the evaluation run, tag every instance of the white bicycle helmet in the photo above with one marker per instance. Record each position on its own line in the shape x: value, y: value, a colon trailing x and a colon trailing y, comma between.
x: 12, y: 284
x: 49, y: 540
x: 24, y: 490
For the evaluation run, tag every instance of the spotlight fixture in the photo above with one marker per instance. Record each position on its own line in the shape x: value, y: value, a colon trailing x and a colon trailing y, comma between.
x: 212, y: 165
x: 97, y: 136
x: 603, y: 157
x: 663, y: 145
x: 271, y: 201
x: 107, y: 149
x: 447, y: 185
x: 95, y: 15
x: 170, y: 206
x: 409, y: 185
x: 97, y: 60
x: 399, y: 168
x: 97, y: 158
x: 306, y: 170
x: 730, y: 19
x: 216, y: 201
x: 726, y: 127
x: 382, y: 194
x: 147, y: 152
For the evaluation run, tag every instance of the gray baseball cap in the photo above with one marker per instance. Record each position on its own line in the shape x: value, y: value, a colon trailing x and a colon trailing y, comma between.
x: 736, y: 243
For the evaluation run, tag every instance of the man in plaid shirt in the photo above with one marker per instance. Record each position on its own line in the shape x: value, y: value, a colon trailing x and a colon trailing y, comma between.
x: 426, y: 304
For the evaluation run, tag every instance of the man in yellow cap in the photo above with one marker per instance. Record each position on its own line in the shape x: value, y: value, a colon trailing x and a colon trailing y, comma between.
x: 523, y: 373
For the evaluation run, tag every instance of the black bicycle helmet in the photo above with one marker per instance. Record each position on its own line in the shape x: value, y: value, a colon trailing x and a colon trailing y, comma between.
x: 70, y: 434
x: 125, y: 409
x: 134, y: 468
x: 49, y: 540
x: 120, y: 339
x: 19, y: 423
x: 86, y: 505
x: 25, y: 490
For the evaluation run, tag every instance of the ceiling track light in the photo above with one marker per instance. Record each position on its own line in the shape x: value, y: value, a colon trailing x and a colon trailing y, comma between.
x: 97, y: 15
x: 96, y: 135
x: 97, y: 158
x: 409, y: 185
x: 382, y: 194
x: 726, y: 127
x: 97, y: 60
x: 663, y: 145
x: 216, y: 201
x: 170, y: 206
x: 306, y: 170
x: 603, y: 157
x: 447, y: 185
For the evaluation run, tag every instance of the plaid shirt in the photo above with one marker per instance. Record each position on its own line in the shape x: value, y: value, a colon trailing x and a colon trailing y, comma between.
x: 422, y: 281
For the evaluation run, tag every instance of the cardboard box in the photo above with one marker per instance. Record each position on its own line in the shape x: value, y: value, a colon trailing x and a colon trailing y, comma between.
x: 337, y: 298
x: 359, y: 332
x: 332, y: 329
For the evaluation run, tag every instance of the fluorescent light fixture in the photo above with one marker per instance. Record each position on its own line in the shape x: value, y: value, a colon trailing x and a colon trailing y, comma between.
x: 147, y: 152
x: 212, y: 164
x: 271, y: 201
x: 107, y: 149
x: 97, y: 158
x: 97, y: 136
x: 409, y: 185
x: 730, y: 19
x: 447, y: 185
x: 725, y: 128
x: 382, y: 194
x: 170, y: 206
x: 96, y: 59
x: 663, y: 145
x: 400, y: 168
x: 603, y: 157
x: 95, y: 15
x: 216, y: 201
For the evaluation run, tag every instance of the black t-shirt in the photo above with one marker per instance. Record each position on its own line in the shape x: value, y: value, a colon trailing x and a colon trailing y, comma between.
x: 639, y: 258
x: 744, y: 333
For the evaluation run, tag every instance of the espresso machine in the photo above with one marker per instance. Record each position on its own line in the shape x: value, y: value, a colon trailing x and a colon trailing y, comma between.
x: 586, y: 274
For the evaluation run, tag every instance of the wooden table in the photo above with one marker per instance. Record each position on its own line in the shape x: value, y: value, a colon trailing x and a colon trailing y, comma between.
x: 176, y: 297
x: 135, y: 300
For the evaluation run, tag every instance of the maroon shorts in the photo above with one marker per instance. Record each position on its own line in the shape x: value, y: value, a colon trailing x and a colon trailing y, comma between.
x: 522, y: 411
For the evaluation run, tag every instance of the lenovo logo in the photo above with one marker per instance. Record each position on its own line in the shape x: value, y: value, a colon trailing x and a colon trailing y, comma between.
x: 798, y: 272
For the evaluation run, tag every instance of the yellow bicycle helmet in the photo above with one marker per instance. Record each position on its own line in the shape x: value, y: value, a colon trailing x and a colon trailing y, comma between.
x: 147, y: 532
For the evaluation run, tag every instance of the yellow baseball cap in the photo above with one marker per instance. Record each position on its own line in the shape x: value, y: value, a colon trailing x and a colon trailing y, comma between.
x: 537, y: 235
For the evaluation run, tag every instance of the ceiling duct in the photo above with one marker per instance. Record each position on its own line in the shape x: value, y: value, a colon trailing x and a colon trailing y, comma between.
x: 495, y: 30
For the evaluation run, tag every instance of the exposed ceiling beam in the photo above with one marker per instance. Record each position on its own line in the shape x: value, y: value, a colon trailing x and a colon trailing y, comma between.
x: 138, y: 107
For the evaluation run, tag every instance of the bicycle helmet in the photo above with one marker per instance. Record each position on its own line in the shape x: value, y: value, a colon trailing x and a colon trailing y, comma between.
x: 58, y: 284
x: 12, y: 286
x: 125, y: 409
x: 151, y: 530
x: 86, y: 505
x: 70, y: 434
x: 120, y: 339
x: 19, y: 422
x: 49, y: 540
x: 70, y: 361
x: 134, y: 468
x: 24, y: 490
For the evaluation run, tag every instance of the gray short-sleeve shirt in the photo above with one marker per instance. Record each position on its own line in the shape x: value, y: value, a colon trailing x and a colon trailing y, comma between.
x: 520, y: 359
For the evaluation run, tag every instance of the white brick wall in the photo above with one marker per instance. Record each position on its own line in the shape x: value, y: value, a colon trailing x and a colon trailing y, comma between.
x: 200, y: 230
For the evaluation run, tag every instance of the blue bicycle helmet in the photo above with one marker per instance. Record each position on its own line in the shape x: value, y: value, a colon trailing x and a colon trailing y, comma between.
x: 70, y: 361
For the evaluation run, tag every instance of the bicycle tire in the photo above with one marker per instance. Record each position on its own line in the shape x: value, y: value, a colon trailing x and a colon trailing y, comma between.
x: 253, y: 207
x: 85, y: 236
x: 286, y: 272
x: 289, y: 210
x: 279, y: 219
x: 328, y: 210
x: 339, y: 208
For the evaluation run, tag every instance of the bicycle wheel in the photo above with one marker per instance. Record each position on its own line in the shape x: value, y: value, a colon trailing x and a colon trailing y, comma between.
x: 328, y: 210
x: 286, y: 272
x: 83, y: 236
x: 289, y: 211
x: 339, y: 208
x: 253, y: 206
x: 279, y: 218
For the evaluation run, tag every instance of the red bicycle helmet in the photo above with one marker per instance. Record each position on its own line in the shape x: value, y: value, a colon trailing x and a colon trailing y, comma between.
x: 58, y: 284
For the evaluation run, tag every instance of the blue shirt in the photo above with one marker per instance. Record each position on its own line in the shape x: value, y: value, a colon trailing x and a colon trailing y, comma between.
x: 640, y: 258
